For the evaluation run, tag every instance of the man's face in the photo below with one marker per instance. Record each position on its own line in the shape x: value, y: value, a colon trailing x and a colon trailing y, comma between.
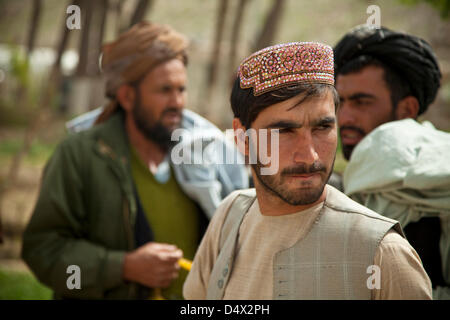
x: 365, y: 104
x: 160, y: 99
x: 307, y: 148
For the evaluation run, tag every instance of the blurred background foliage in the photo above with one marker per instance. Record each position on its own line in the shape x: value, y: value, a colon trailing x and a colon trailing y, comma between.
x: 49, y: 74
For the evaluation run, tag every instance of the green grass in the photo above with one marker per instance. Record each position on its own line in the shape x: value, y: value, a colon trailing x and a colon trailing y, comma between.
x: 39, y: 153
x: 16, y: 285
x: 340, y: 163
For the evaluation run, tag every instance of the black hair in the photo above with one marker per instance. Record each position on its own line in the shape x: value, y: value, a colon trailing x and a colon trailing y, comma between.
x: 246, y: 106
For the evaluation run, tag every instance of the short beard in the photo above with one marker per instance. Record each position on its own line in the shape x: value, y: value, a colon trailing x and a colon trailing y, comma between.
x: 293, y: 197
x: 157, y: 132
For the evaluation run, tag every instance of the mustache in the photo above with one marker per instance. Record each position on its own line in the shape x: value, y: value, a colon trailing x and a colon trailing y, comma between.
x: 359, y: 130
x: 305, y: 169
x: 172, y: 110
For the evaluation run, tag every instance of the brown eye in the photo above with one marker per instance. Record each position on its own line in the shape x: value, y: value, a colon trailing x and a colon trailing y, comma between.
x: 362, y: 102
x: 285, y: 130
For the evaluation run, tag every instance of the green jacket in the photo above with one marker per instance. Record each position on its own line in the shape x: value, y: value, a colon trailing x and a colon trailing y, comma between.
x: 85, y: 215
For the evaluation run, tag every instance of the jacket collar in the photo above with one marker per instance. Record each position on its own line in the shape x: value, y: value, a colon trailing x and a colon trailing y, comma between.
x: 113, y: 145
x: 112, y: 139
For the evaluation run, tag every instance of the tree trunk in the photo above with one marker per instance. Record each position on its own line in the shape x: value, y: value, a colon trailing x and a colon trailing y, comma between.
x: 235, y: 37
x: 87, y: 8
x: 32, y: 129
x: 270, y: 27
x: 56, y: 68
x: 103, y: 13
x: 35, y: 15
x: 21, y: 94
x: 116, y: 8
x: 44, y: 102
x: 139, y: 12
x: 98, y: 20
x: 214, y: 62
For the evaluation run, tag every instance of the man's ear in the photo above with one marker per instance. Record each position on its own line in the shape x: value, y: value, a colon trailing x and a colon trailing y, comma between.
x: 408, y: 107
x: 126, y: 96
x: 240, y: 137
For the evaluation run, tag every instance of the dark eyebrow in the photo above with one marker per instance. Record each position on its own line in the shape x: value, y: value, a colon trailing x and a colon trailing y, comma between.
x: 285, y: 124
x: 360, y: 95
x: 324, y: 121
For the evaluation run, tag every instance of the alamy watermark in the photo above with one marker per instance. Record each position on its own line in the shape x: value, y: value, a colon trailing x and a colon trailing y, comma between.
x: 74, y: 20
x: 374, y: 281
x: 192, y: 149
x: 74, y: 280
x: 374, y: 20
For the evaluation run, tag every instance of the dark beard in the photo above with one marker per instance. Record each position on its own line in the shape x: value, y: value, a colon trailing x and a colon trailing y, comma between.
x: 157, y: 132
x: 347, y: 151
x: 301, y: 197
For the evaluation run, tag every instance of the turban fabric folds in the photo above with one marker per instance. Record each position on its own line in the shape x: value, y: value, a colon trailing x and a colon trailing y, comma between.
x: 410, y: 57
x: 136, y: 52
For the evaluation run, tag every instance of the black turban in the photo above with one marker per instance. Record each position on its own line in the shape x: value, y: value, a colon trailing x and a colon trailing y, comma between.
x: 411, y: 57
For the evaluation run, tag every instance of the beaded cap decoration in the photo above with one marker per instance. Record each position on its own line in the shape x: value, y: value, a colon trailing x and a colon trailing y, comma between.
x: 286, y: 64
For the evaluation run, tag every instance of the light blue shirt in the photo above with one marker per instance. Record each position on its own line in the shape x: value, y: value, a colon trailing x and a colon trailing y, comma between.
x: 208, y: 182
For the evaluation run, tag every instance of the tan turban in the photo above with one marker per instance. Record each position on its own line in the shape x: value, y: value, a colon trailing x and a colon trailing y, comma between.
x: 135, y: 53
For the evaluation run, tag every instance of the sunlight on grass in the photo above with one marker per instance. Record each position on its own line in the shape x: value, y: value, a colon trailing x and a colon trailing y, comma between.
x: 340, y: 163
x: 39, y: 152
x: 16, y: 285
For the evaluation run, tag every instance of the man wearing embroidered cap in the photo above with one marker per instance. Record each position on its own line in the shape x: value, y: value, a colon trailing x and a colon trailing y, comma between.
x: 385, y: 80
x: 294, y: 236
x: 112, y: 201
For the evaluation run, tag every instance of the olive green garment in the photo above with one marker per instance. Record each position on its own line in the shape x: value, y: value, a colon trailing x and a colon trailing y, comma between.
x: 172, y: 215
x: 85, y: 215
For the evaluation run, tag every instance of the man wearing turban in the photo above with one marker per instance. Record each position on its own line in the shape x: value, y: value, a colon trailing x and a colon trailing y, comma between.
x: 397, y: 166
x: 112, y: 202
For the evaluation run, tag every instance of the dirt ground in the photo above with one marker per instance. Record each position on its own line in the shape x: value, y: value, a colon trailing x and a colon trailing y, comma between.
x: 17, y: 206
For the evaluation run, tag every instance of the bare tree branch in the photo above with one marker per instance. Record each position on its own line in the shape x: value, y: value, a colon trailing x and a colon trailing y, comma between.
x: 235, y: 37
x: 214, y: 62
x: 36, y: 123
x: 270, y: 27
x: 32, y: 31
x: 87, y: 7
x: 140, y: 11
x: 98, y: 22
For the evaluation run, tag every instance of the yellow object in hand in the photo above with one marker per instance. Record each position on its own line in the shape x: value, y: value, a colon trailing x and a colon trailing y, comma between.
x: 185, y: 264
x: 157, y: 295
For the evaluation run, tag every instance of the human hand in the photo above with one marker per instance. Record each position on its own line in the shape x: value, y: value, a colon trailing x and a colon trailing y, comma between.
x: 153, y: 264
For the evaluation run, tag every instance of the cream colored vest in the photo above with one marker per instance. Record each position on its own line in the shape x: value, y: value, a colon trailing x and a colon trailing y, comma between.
x: 331, y: 262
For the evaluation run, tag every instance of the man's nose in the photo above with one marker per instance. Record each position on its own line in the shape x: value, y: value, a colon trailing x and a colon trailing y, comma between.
x: 178, y: 99
x: 345, y: 116
x: 305, y: 151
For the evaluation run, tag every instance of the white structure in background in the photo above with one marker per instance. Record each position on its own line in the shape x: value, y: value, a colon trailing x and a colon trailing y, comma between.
x: 85, y: 92
x: 41, y: 59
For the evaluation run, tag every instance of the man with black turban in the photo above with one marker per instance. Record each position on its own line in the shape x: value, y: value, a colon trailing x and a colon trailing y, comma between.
x: 397, y: 166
